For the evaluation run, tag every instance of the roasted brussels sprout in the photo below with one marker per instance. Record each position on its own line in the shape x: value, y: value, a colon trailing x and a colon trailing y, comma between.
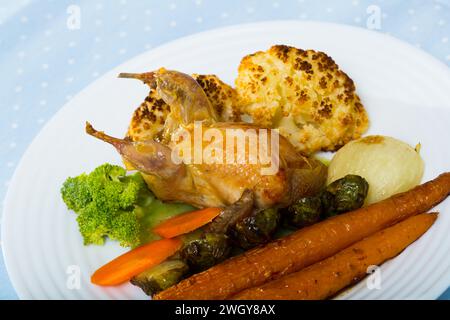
x: 327, y: 200
x: 303, y: 212
x: 255, y: 229
x: 345, y: 194
x: 161, y: 277
x: 207, y: 251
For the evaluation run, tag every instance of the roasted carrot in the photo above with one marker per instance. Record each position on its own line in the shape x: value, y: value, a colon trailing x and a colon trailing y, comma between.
x: 124, y: 267
x: 186, y: 222
x: 326, y: 278
x: 307, y: 246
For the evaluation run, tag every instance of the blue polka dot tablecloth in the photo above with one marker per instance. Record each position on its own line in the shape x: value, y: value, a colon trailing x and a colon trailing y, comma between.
x: 50, y: 50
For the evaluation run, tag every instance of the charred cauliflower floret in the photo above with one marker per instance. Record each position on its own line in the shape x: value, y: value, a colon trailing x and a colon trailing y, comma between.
x: 223, y: 97
x: 148, y: 120
x: 302, y: 93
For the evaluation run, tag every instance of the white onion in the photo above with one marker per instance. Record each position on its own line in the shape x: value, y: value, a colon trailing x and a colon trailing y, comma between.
x: 389, y: 165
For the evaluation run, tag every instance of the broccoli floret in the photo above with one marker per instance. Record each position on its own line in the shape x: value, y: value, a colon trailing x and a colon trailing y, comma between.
x: 93, y: 225
x: 75, y: 192
x: 112, y: 204
x: 105, y: 201
x: 126, y: 228
x: 112, y: 190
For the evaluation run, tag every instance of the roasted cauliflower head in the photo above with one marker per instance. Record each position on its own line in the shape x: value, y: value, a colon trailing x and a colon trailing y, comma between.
x: 302, y: 93
x: 148, y: 120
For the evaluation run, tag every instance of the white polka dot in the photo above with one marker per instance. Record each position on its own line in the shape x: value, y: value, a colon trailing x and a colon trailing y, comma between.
x: 98, y: 22
x: 48, y: 16
x: 40, y: 120
x: 148, y: 12
x: 122, y: 51
x: 303, y: 16
x: 224, y: 15
x: 444, y: 40
x: 357, y: 19
x: 21, y: 54
x: 48, y: 32
x: 148, y: 28
x: 198, y: 2
x: 95, y: 74
x: 72, y: 44
x: 97, y: 56
x: 441, y: 22
x: 99, y: 6
x: 329, y: 10
x: 18, y: 89
x: 97, y: 39
x: 47, y: 49
x: 16, y: 107
x: 69, y: 79
x: 447, y: 57
x: 199, y: 20
x: 355, y: 2
x: 276, y: 4
x: 437, y: 7
x: 71, y: 61
x: 123, y: 17
x: 123, y: 2
x: 414, y: 28
x: 10, y: 164
x: 172, y: 6
x: 12, y: 145
x: 14, y: 125
x: 122, y: 34
x: 23, y: 37
x: 411, y: 11
x: 384, y: 15
x: 19, y: 71
x: 44, y: 85
x: 250, y: 10
x: 173, y: 24
x: 44, y: 66
x: 24, y: 19
x: 43, y: 102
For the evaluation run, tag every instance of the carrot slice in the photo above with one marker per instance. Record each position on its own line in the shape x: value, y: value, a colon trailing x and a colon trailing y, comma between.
x: 124, y: 267
x: 186, y: 222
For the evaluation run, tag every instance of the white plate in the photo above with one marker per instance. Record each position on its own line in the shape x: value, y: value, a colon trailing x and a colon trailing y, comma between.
x: 406, y: 92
